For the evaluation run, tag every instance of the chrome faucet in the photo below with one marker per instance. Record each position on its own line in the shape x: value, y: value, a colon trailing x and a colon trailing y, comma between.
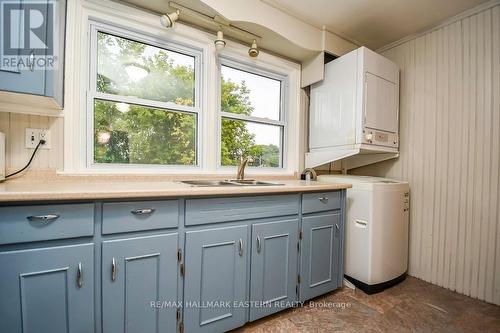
x: 242, y: 163
x: 309, y: 174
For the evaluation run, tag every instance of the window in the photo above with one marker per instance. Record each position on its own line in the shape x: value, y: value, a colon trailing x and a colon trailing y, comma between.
x: 162, y: 101
x: 252, y: 121
x: 144, y: 101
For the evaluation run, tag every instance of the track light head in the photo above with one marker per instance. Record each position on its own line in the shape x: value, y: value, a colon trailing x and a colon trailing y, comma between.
x: 253, y: 51
x: 168, y: 20
x: 220, y: 43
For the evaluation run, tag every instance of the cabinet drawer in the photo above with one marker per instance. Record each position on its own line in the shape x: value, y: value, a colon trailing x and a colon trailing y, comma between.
x: 19, y: 224
x: 319, y: 202
x: 139, y: 215
x: 204, y: 211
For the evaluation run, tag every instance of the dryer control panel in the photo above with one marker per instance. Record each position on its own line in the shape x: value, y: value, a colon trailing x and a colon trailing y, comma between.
x: 380, y: 138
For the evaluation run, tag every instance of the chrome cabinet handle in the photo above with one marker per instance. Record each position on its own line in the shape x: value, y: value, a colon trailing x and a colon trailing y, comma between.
x: 48, y: 217
x: 143, y: 211
x: 32, y: 61
x: 323, y: 199
x: 258, y: 244
x: 113, y: 269
x: 338, y: 228
x: 240, y: 250
x: 79, y: 275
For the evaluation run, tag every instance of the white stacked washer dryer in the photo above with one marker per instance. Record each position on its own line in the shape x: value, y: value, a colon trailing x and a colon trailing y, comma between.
x: 377, y: 222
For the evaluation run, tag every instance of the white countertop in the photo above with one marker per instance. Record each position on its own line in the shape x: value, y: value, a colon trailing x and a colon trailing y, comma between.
x: 81, y: 190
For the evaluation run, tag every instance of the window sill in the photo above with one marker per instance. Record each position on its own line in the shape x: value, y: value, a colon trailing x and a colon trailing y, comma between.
x: 172, y: 176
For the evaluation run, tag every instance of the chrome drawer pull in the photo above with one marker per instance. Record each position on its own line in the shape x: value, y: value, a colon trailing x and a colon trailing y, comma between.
x: 113, y: 269
x: 240, y: 250
x: 323, y: 199
x: 258, y: 244
x: 48, y: 217
x: 79, y: 275
x: 143, y: 211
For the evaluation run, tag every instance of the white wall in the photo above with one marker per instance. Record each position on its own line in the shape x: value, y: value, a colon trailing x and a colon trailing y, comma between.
x: 450, y: 124
x: 14, y: 126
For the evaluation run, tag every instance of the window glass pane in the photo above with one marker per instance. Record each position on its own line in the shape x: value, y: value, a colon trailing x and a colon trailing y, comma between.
x: 136, y: 134
x: 129, y: 68
x: 250, y: 94
x: 261, y: 141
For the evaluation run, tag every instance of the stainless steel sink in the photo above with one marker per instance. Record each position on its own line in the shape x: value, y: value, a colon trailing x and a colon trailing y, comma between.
x: 252, y: 182
x: 208, y: 183
x: 223, y: 183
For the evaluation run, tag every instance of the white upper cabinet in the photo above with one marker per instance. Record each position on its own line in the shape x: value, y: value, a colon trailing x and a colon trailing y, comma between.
x: 333, y: 105
x: 355, y: 107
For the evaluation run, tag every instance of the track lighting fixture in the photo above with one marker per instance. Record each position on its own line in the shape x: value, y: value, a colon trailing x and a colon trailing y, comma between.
x: 168, y: 20
x: 253, y: 51
x: 220, y: 43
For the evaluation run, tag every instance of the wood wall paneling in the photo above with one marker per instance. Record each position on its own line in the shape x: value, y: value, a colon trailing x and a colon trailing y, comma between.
x: 450, y: 150
x: 14, y: 126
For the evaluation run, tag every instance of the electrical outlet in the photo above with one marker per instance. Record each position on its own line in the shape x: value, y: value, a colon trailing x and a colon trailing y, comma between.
x: 44, y: 134
x: 34, y: 135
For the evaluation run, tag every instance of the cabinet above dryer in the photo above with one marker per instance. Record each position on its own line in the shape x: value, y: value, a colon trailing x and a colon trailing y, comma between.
x: 354, y: 111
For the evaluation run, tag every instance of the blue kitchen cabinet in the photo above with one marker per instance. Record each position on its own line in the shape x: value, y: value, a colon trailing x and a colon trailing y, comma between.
x: 47, y: 289
x: 35, y: 77
x: 244, y: 258
x: 321, y: 254
x: 136, y: 274
x: 273, y: 280
x: 215, y: 282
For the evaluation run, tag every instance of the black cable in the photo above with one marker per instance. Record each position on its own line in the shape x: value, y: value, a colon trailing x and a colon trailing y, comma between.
x: 41, y: 142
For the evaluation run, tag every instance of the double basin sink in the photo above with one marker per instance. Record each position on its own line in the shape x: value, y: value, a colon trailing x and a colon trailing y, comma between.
x: 223, y: 183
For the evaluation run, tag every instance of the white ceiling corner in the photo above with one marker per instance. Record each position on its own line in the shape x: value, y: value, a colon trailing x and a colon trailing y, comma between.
x: 374, y: 23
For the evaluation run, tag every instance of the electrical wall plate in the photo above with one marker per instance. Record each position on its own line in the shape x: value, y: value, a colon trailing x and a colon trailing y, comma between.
x: 34, y: 135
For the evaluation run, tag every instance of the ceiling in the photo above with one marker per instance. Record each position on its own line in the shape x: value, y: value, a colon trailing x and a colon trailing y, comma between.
x: 374, y: 23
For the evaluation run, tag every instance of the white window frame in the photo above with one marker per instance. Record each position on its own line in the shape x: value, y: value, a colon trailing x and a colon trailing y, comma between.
x: 92, y: 94
x: 248, y: 67
x: 136, y: 21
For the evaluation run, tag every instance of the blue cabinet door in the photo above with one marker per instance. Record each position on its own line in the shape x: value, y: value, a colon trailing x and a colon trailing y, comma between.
x: 273, y: 278
x: 215, y: 281
x: 321, y: 255
x: 36, y: 28
x: 136, y: 273
x: 47, y: 290
x: 12, y: 76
